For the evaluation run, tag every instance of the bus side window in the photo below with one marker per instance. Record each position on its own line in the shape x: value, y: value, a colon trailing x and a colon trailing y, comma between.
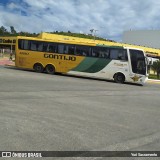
x: 40, y: 46
x: 125, y: 55
x: 122, y: 55
x: 118, y: 54
x: 52, y: 48
x: 82, y: 50
x: 60, y: 48
x: 24, y: 44
x: 33, y: 46
x: 65, y: 49
x: 20, y: 43
x: 114, y: 54
x: 94, y: 52
x: 71, y: 49
x: 45, y: 45
x: 104, y: 52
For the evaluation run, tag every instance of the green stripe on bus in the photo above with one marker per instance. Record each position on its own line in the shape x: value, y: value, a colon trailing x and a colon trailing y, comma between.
x: 85, y: 64
x: 92, y: 65
x: 98, y: 65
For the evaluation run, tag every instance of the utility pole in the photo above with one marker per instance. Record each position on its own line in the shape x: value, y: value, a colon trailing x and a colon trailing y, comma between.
x: 93, y: 32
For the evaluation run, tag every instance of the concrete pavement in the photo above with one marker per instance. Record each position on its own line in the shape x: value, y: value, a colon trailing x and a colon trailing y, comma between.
x: 56, y: 112
x: 6, y: 61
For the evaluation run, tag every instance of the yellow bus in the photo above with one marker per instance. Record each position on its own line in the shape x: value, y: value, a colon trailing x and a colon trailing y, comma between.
x: 120, y: 64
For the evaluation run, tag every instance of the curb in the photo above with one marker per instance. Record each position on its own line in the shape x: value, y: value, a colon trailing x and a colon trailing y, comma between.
x: 153, y: 81
x: 10, y: 65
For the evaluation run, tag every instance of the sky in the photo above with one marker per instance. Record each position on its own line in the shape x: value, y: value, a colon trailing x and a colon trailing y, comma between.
x: 110, y: 18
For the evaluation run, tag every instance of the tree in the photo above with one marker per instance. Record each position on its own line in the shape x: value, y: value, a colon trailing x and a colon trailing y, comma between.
x: 156, y: 68
x: 3, y: 30
x: 13, y: 31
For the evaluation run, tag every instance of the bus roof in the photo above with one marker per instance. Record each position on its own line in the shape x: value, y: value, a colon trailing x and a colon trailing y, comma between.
x: 68, y: 41
x: 57, y: 40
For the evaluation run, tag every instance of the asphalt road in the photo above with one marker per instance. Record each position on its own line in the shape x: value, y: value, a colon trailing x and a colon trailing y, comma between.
x: 42, y: 112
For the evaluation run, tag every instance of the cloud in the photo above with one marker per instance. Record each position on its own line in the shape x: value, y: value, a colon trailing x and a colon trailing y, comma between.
x: 109, y: 17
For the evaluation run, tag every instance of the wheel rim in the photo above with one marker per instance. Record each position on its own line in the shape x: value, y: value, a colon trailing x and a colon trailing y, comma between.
x: 38, y: 68
x: 119, y: 78
x: 50, y: 69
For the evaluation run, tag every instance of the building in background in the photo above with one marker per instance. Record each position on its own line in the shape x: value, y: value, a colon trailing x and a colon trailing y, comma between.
x: 7, y: 44
x: 147, y: 38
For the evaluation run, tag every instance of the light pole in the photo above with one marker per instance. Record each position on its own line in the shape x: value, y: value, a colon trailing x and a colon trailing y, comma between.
x: 93, y: 32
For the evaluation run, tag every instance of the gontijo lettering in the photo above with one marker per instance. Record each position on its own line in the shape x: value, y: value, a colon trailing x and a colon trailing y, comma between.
x: 61, y: 57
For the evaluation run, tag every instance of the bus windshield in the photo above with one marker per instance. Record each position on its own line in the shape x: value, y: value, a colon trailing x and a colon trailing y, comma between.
x: 138, y: 61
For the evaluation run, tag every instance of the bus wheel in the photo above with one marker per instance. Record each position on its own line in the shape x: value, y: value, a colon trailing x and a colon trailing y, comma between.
x: 119, y: 78
x: 38, y: 67
x: 50, y: 69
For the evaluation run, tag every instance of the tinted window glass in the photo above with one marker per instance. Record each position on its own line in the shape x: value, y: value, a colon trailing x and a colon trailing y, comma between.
x: 33, y: 45
x: 52, y: 47
x: 118, y: 54
x: 66, y: 49
x: 101, y: 52
x: 23, y: 44
x: 71, y: 49
x: 82, y: 50
x: 36, y: 46
x: 45, y: 47
x: 60, y: 48
x: 39, y: 46
x: 138, y: 61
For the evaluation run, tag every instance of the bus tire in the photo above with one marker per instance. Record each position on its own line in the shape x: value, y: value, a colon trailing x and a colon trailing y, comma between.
x: 119, y: 78
x: 38, y: 67
x: 50, y: 69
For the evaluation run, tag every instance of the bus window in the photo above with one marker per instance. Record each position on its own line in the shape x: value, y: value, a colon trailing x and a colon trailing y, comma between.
x: 82, y: 50
x: 71, y: 49
x: 36, y: 46
x: 138, y: 61
x: 23, y: 44
x: 95, y: 52
x: 52, y: 47
x: 40, y: 46
x: 45, y: 46
x: 33, y: 45
x: 61, y: 48
x: 101, y: 52
x: 65, y: 49
x: 118, y: 54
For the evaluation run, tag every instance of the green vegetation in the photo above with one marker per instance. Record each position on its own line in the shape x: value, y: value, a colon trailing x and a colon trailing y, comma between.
x: 13, y: 32
x: 156, y: 68
x: 80, y: 35
x: 153, y: 76
x: 4, y: 32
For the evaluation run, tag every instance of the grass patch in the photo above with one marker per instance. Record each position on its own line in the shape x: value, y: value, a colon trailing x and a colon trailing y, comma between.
x: 153, y: 76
